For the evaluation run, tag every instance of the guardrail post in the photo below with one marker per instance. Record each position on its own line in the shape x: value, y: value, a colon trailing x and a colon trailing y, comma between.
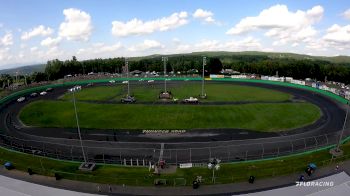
x: 137, y: 162
x: 190, y: 155
x: 263, y: 150
x: 131, y: 162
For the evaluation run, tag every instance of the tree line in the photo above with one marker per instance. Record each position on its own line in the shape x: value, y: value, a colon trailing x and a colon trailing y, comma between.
x: 257, y: 64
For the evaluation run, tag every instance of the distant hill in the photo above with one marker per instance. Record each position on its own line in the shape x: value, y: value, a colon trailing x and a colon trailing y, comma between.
x: 333, y: 59
x: 29, y: 69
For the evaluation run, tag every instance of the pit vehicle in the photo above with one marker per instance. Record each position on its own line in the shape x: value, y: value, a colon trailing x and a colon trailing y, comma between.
x: 128, y: 99
x: 21, y: 99
x: 190, y: 100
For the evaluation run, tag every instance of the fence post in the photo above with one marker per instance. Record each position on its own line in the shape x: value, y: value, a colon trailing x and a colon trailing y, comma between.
x: 263, y: 150
x: 316, y: 141
x: 103, y: 156
x: 120, y: 155
x: 190, y: 155
x: 209, y: 152
x: 71, y: 152
x: 176, y: 156
x: 228, y: 154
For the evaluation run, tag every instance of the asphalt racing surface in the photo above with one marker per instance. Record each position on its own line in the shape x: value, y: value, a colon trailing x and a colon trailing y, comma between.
x: 127, y: 146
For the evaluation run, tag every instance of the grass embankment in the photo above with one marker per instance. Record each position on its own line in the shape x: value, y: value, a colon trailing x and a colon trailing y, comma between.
x: 150, y: 92
x: 100, y: 93
x: 228, y: 173
x: 259, y: 117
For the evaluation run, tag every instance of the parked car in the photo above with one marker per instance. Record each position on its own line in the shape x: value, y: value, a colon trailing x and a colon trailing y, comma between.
x: 190, y: 100
x: 125, y: 82
x: 21, y: 99
x: 150, y: 81
x: 34, y: 95
x: 49, y: 89
x: 43, y: 93
x: 128, y: 99
x: 112, y: 81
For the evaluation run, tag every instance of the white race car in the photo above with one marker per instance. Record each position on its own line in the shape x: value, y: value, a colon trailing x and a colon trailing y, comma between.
x: 190, y: 100
x: 21, y: 99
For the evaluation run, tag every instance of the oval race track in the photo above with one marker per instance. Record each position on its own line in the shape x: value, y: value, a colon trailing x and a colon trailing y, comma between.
x: 123, y: 146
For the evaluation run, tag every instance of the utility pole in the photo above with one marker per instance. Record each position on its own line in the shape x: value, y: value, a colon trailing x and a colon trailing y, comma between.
x: 336, y: 152
x: 204, y: 64
x: 25, y: 79
x: 164, y: 59
x: 77, y: 119
x: 127, y: 74
x: 344, y: 125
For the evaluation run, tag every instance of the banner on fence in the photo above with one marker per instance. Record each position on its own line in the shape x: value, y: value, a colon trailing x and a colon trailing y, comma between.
x: 185, y: 165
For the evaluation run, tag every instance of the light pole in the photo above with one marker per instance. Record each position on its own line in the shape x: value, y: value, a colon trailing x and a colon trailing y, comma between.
x: 204, y: 64
x: 73, y: 90
x: 344, y: 125
x: 164, y: 59
x: 127, y: 74
x: 214, y: 164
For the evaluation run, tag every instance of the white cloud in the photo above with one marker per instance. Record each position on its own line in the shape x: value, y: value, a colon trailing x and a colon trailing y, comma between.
x: 54, y: 52
x: 146, y: 45
x: 139, y: 27
x: 4, y: 54
x: 6, y: 40
x: 281, y: 24
x: 34, y: 49
x: 100, y: 50
x: 51, y: 42
x: 205, y: 15
x: 346, y: 14
x: 246, y: 44
x: 77, y: 25
x: 338, y: 35
x: 37, y: 31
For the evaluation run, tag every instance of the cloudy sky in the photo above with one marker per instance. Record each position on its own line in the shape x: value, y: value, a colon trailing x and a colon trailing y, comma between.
x: 39, y: 30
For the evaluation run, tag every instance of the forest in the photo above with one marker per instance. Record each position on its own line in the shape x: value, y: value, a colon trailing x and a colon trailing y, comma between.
x: 299, y: 68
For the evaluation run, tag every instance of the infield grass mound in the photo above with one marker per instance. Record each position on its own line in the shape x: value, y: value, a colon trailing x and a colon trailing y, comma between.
x: 257, y: 116
x: 150, y: 91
